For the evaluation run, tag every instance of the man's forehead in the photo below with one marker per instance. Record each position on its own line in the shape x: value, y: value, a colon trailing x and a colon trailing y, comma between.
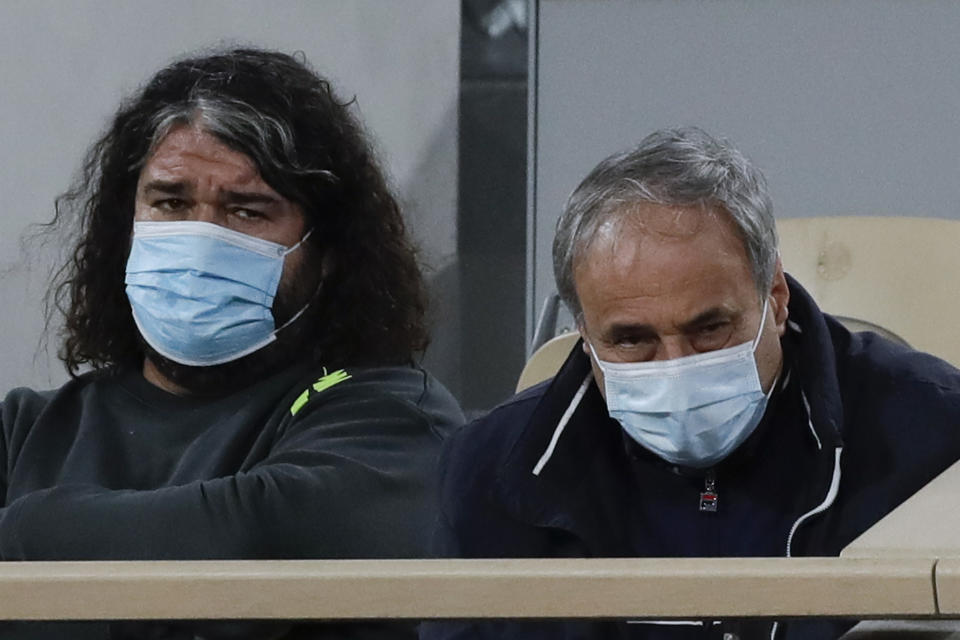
x: 187, y: 149
x: 663, y: 220
x: 630, y: 228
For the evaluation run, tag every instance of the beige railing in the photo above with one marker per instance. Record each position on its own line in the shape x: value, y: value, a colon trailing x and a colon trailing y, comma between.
x: 358, y: 589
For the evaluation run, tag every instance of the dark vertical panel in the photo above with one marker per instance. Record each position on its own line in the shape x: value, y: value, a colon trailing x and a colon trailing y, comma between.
x: 492, y: 206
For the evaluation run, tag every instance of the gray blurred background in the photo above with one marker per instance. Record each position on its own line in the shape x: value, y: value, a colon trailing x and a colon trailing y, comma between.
x: 849, y: 108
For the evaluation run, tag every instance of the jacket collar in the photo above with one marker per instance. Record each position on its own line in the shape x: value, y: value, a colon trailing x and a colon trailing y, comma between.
x: 815, y: 363
x: 552, y: 496
x: 539, y: 431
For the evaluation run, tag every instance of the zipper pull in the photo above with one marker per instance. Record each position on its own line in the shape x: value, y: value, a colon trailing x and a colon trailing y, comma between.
x: 709, y: 496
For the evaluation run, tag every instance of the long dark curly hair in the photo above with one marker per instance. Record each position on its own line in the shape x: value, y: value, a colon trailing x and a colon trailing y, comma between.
x: 310, y: 148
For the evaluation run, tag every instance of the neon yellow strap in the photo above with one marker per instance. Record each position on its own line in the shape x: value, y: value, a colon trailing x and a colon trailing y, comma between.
x: 322, y: 384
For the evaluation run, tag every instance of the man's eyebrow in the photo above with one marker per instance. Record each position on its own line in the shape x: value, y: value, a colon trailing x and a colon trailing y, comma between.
x: 248, y: 197
x: 617, y: 330
x: 623, y: 329
x: 169, y: 187
x: 706, y: 317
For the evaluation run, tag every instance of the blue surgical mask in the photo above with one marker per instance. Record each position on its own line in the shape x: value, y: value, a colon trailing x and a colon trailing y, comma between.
x: 203, y: 294
x: 691, y: 411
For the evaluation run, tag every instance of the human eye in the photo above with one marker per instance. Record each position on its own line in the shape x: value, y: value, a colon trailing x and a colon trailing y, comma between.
x: 246, y: 213
x: 169, y: 204
x: 632, y: 341
x: 712, y: 335
x: 711, y: 328
x: 634, y: 347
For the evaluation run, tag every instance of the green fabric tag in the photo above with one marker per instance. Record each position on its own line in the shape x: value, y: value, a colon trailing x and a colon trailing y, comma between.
x: 322, y: 384
x: 330, y: 379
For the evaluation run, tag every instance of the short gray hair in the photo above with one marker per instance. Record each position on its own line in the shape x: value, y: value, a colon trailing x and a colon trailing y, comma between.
x: 679, y: 167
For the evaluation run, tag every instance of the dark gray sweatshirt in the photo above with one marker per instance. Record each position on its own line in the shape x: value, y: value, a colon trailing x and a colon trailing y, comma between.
x: 303, y: 464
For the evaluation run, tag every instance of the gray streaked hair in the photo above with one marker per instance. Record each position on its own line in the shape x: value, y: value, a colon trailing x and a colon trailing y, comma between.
x: 267, y: 140
x: 678, y: 167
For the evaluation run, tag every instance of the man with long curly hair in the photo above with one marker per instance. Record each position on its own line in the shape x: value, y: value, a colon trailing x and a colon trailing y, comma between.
x: 243, y: 311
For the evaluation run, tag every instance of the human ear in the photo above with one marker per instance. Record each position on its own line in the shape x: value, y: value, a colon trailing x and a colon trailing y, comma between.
x: 583, y: 335
x: 780, y: 298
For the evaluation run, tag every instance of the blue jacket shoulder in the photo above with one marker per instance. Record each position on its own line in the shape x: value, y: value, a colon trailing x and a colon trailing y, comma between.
x: 495, y: 432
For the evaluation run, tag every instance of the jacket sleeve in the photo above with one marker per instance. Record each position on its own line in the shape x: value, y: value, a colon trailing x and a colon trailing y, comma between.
x: 350, y: 477
x: 462, y: 540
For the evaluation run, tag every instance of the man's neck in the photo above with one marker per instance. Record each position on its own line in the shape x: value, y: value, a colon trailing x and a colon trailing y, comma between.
x: 157, y: 379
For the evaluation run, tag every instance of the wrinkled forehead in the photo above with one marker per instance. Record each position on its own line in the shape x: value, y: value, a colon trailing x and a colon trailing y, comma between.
x: 622, y: 226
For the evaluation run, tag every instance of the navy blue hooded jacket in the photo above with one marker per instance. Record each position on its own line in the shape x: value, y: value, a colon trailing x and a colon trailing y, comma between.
x: 855, y: 426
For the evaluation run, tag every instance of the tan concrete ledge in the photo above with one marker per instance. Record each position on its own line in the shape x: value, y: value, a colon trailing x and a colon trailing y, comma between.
x: 526, y: 588
x: 948, y: 586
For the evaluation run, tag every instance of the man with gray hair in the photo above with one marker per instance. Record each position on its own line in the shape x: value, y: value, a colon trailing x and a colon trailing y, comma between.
x: 710, y: 409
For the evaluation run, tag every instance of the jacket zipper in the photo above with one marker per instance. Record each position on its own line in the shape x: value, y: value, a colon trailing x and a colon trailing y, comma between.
x: 709, y: 497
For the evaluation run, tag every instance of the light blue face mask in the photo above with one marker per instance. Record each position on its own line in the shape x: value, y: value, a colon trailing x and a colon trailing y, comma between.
x: 203, y: 294
x: 692, y: 411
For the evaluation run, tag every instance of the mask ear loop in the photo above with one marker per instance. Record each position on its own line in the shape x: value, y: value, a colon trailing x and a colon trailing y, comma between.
x: 756, y: 341
x: 299, y: 313
x: 299, y: 242
x: 763, y: 321
x: 292, y: 319
x: 594, y: 352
